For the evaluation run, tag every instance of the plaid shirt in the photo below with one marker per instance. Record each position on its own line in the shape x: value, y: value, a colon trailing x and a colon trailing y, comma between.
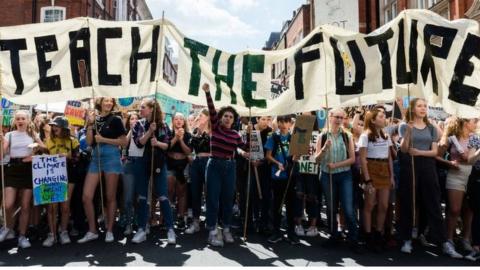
x: 474, y: 143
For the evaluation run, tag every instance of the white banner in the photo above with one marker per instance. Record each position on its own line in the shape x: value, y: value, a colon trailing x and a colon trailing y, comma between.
x: 418, y: 51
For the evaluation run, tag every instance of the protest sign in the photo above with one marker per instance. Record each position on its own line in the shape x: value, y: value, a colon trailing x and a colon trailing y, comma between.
x: 302, y: 133
x: 307, y: 163
x: 75, y: 113
x: 256, y: 150
x: 50, y: 180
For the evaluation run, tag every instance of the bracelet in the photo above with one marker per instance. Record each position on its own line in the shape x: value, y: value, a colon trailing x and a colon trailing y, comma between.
x: 366, y: 182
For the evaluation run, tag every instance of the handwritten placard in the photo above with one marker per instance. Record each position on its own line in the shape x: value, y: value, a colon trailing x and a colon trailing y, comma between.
x: 50, y: 180
x: 307, y: 162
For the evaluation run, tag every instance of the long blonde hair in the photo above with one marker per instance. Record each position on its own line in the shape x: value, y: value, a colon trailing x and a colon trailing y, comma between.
x: 30, y: 126
x: 455, y: 127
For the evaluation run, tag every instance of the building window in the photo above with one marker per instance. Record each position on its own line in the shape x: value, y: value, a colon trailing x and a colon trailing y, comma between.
x: 426, y: 4
x: 52, y: 14
x: 390, y: 10
x: 440, y: 7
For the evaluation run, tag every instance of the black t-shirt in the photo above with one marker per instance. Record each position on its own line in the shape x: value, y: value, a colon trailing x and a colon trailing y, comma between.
x: 177, y: 148
x: 110, y: 126
x: 200, y: 142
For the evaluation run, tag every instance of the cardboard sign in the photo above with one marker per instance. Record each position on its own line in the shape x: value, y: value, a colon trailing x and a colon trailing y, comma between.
x: 256, y: 150
x: 307, y: 162
x: 50, y: 180
x: 75, y: 113
x: 302, y: 134
x: 9, y: 109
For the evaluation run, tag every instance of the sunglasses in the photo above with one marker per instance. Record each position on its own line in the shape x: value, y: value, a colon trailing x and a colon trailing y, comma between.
x: 228, y: 116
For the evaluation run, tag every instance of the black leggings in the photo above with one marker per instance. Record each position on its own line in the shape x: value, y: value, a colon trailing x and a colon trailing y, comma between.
x: 427, y: 191
x: 473, y: 196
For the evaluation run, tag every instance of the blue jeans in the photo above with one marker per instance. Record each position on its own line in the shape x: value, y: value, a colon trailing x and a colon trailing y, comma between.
x: 220, y: 177
x: 160, y: 185
x: 197, y: 181
x: 128, y: 181
x: 342, y: 185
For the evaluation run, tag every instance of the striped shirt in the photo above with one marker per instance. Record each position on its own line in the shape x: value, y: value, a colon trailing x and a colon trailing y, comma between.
x: 224, y: 141
x: 336, y: 153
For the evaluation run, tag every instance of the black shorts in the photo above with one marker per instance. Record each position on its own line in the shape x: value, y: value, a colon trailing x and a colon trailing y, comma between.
x: 18, y: 175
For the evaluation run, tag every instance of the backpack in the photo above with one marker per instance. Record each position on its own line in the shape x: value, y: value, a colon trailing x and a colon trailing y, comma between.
x: 277, y: 142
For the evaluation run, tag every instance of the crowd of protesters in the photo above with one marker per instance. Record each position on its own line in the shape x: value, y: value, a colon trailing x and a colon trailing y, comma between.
x: 382, y: 183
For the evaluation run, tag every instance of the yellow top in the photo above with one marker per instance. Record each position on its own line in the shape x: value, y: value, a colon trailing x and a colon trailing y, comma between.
x: 62, y: 146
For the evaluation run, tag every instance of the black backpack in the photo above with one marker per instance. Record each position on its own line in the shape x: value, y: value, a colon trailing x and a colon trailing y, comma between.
x: 277, y: 143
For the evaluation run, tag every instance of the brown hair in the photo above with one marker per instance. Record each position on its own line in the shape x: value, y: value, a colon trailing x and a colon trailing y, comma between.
x: 369, y: 126
x: 409, y: 116
x: 205, y: 112
x: 98, y: 104
x: 225, y: 109
x: 153, y: 103
x: 127, y: 124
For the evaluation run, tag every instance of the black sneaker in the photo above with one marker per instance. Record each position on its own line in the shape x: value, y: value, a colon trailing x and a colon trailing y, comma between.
x: 293, y: 239
x: 331, y: 242
x: 356, y: 247
x: 275, y: 238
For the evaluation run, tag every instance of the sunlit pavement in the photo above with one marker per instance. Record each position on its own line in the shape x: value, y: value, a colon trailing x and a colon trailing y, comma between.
x: 192, y: 250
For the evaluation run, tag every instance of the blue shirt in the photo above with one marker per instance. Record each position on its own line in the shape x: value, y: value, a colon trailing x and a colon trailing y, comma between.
x: 285, y: 144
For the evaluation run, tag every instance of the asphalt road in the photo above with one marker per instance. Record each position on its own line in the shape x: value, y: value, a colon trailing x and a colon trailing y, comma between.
x: 191, y: 250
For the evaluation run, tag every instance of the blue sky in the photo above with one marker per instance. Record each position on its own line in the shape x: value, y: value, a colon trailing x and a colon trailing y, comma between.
x: 229, y: 25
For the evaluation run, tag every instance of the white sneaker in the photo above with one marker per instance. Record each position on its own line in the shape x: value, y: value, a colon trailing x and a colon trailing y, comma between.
x: 466, y: 245
x: 171, y: 237
x: 449, y: 250
x: 473, y: 256
x: 64, y: 238
x: 214, y: 239
x: 89, y: 236
x: 23, y: 242
x: 407, y: 247
x: 50, y: 241
x: 140, y: 236
x: 6, y: 233
x: 227, y: 236
x: 193, y: 228
x: 109, y: 237
x: 128, y: 230
x: 299, y: 231
x: 311, y: 232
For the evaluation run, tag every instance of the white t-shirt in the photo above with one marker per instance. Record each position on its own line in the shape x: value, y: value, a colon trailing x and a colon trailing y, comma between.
x: 19, y: 142
x: 134, y: 151
x: 378, y: 149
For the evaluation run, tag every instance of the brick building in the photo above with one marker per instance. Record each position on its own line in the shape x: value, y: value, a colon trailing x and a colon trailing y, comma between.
x: 15, y: 12
x: 375, y: 13
x: 449, y: 9
x: 293, y: 31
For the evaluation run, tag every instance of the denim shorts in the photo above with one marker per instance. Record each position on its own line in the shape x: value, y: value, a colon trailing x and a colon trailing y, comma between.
x: 109, y: 159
